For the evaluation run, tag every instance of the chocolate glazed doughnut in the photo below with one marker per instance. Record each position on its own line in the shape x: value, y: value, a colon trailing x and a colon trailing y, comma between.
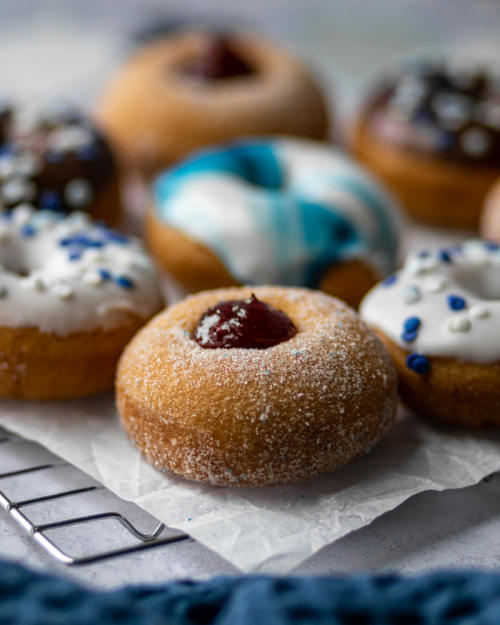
x: 58, y: 161
x: 193, y: 89
x: 256, y: 386
x: 432, y: 133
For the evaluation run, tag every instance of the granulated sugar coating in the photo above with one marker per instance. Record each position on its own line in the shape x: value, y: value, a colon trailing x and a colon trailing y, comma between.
x: 256, y: 416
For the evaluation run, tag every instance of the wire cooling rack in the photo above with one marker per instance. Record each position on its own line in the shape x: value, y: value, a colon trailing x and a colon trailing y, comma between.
x: 45, y: 533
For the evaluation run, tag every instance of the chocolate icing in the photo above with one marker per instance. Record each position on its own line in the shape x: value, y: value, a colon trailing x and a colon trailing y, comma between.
x: 435, y: 109
x: 58, y: 161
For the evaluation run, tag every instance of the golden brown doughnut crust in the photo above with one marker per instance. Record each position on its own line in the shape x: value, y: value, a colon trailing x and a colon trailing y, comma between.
x: 155, y: 116
x: 36, y: 365
x: 256, y: 417
x: 490, y: 217
x: 431, y: 189
x: 457, y: 393
x: 197, y: 268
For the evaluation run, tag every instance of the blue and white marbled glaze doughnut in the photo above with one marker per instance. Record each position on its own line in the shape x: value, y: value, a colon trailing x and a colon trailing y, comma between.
x: 279, y: 211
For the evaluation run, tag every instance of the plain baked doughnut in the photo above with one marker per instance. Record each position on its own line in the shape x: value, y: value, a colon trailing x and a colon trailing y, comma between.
x: 156, y: 112
x: 237, y: 416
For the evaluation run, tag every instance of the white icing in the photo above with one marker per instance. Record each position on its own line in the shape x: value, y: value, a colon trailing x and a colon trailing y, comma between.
x: 262, y: 235
x: 471, y: 333
x: 40, y: 286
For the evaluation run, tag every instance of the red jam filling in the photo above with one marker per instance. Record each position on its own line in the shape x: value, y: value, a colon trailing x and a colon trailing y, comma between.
x: 218, y: 60
x: 248, y: 323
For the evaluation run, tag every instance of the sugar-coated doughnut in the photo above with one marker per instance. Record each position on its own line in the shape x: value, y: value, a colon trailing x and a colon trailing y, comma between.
x: 273, y: 211
x: 58, y: 160
x: 193, y: 89
x: 250, y: 416
x: 432, y: 133
x: 72, y: 295
x: 440, y: 320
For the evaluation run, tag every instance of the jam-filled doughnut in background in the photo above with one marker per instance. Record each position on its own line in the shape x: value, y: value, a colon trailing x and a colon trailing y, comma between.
x: 273, y: 211
x: 194, y: 88
x: 255, y: 386
x: 56, y: 159
x: 439, y: 317
x: 432, y: 133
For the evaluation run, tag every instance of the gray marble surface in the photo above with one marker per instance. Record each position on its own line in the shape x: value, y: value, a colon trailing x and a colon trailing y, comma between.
x: 67, y: 48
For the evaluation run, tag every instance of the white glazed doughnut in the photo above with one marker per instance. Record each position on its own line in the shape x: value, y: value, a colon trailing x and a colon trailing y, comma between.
x: 273, y: 211
x: 67, y: 284
x: 440, y: 317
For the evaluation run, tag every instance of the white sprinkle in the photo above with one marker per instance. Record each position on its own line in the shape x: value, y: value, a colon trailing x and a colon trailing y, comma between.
x: 78, y: 218
x: 78, y: 193
x: 475, y: 141
x: 419, y: 266
x: 62, y: 290
x: 411, y: 295
x: 94, y: 256
x: 22, y: 214
x: 452, y: 110
x: 458, y: 324
x: 92, y: 278
x: 32, y: 283
x: 69, y: 138
x: 7, y: 168
x: 479, y: 312
x: 17, y: 190
x: 435, y: 284
x: 27, y: 164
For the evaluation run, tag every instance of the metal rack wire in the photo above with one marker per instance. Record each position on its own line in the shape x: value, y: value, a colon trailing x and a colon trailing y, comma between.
x: 38, y: 531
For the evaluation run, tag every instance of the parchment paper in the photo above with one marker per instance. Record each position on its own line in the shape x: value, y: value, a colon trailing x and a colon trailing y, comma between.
x: 261, y: 529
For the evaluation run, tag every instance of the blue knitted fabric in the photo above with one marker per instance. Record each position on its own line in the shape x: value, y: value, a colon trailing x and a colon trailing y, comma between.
x: 447, y: 598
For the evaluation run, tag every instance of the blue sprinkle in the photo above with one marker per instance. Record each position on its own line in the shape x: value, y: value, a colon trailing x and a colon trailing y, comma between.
x: 411, y: 324
x: 94, y: 243
x: 65, y: 242
x: 28, y: 231
x: 124, y: 282
x: 409, y: 336
x: 444, y: 256
x: 455, y: 302
x: 190, y: 519
x: 105, y: 274
x: 50, y: 200
x: 491, y: 245
x: 75, y: 255
x: 418, y: 363
x: 390, y: 280
x: 424, y: 254
x: 88, y: 153
x: 7, y: 214
x: 116, y: 237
